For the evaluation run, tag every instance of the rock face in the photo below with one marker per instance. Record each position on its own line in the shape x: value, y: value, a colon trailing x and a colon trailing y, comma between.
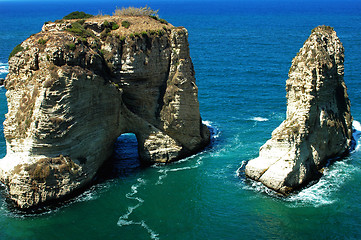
x: 318, y: 126
x: 76, y: 86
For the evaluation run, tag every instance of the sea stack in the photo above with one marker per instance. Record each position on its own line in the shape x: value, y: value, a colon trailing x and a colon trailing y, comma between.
x: 76, y: 86
x: 318, y: 125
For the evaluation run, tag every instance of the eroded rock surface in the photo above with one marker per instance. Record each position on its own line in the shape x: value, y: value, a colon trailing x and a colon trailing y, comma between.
x: 76, y: 86
x: 318, y: 126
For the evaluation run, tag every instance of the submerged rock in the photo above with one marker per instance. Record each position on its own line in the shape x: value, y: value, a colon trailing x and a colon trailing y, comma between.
x: 73, y: 88
x: 318, y: 126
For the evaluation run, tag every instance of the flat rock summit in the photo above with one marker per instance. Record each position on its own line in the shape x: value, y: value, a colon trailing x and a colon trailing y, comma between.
x: 318, y: 126
x: 77, y: 85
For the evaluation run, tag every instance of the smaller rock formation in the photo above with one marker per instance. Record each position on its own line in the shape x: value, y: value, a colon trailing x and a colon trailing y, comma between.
x: 318, y: 126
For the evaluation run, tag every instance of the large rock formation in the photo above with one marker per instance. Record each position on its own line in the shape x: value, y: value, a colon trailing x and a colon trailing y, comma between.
x: 318, y: 124
x: 76, y: 86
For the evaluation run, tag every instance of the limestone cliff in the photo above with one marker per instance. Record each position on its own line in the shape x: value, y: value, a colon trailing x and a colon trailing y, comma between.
x: 318, y: 124
x: 77, y: 85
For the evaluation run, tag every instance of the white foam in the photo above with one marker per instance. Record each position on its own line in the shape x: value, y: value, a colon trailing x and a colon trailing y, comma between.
x: 164, y: 171
x: 87, y: 196
x: 123, y: 220
x: 259, y: 119
x: 4, y: 68
x: 356, y: 125
x: 323, y: 192
x: 215, y: 133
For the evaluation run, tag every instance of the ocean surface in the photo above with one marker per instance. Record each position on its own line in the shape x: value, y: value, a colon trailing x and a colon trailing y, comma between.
x: 242, y: 51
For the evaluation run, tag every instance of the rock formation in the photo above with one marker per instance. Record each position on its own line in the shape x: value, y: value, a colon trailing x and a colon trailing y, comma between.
x: 318, y: 126
x: 77, y: 85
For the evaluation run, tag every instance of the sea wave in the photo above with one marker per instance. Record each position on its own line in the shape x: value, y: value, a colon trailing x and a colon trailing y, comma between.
x: 4, y: 68
x: 323, y: 192
x: 356, y: 134
x: 214, y: 130
x: 259, y: 119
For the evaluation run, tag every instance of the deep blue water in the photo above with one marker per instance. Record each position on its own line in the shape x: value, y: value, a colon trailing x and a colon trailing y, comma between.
x: 242, y: 51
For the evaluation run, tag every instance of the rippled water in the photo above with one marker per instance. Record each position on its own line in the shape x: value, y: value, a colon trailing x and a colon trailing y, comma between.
x: 241, y: 53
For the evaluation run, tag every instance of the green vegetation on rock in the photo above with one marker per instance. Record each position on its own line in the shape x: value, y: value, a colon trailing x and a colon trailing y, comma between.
x: 71, y: 46
x: 77, y: 15
x: 112, y: 25
x: 126, y: 24
x: 159, y: 19
x: 79, y: 30
x: 16, y: 49
x: 115, y: 26
x: 42, y: 41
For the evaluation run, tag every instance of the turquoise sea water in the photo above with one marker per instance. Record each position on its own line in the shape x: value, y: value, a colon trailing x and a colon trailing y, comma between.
x: 241, y: 51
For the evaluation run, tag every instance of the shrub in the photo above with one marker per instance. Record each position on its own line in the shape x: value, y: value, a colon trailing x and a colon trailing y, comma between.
x: 161, y: 32
x: 163, y: 21
x: 126, y: 24
x: 42, y: 41
x: 112, y: 25
x: 159, y: 19
x: 81, y: 22
x: 154, y: 17
x: 106, y: 24
x: 77, y: 15
x: 16, y: 49
x: 115, y: 26
x: 133, y: 11
x: 71, y: 46
x: 79, y: 30
x: 105, y: 33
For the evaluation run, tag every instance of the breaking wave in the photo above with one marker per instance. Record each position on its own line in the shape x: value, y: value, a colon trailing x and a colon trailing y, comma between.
x: 4, y: 68
x: 259, y: 119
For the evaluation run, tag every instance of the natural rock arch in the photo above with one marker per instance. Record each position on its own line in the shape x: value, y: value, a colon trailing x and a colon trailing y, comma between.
x: 69, y: 98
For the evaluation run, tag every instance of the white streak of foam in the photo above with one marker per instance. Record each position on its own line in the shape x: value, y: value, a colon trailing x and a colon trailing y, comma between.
x: 356, y: 133
x: 123, y: 220
x: 4, y: 68
x: 259, y: 119
x: 164, y: 171
x: 215, y: 133
x: 323, y: 192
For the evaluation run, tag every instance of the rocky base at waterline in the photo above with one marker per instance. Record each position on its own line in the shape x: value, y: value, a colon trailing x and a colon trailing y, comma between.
x: 73, y: 88
x: 318, y: 126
